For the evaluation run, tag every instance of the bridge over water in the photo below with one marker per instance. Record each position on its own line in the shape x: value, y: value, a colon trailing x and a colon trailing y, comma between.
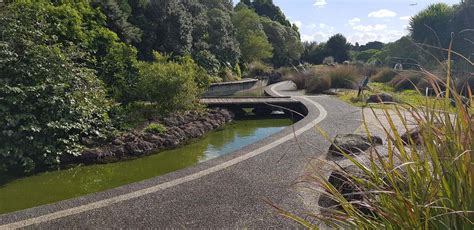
x: 259, y: 105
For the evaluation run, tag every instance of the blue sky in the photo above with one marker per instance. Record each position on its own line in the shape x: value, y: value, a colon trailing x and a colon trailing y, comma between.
x: 359, y: 20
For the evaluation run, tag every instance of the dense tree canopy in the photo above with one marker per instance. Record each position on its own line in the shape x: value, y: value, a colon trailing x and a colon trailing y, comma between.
x: 253, y: 41
x: 50, y: 101
x: 338, y: 48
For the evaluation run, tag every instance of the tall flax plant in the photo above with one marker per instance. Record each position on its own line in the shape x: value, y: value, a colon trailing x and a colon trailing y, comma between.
x: 426, y: 182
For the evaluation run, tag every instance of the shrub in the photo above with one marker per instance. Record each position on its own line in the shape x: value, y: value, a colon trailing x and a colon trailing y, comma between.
x: 299, y: 79
x: 155, y: 128
x: 385, y: 75
x: 172, y: 85
x: 259, y: 69
x: 344, y: 77
x: 208, y: 61
x: 49, y: 104
x: 226, y: 75
x: 407, y: 80
x: 318, y: 84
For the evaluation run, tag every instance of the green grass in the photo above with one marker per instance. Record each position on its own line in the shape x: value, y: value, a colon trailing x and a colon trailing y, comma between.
x: 155, y: 128
x: 411, y: 98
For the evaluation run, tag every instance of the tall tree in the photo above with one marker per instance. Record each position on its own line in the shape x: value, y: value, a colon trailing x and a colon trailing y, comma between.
x: 313, y: 53
x: 287, y: 47
x: 118, y: 13
x: 253, y: 41
x: 432, y: 27
x: 222, y: 40
x: 268, y: 9
x: 338, y: 48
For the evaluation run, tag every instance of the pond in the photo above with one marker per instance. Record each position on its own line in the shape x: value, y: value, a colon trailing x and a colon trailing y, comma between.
x: 53, y: 186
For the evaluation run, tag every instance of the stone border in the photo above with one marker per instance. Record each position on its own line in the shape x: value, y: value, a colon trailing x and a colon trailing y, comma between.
x: 41, y: 214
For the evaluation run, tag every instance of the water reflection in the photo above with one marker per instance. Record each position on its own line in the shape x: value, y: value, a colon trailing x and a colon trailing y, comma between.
x: 59, y: 185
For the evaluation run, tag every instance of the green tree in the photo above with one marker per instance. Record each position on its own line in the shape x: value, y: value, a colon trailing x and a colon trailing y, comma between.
x: 172, y: 85
x: 118, y: 13
x: 366, y: 55
x: 404, y: 51
x: 463, y: 25
x: 338, y: 48
x: 253, y: 41
x: 222, y: 40
x: 313, y: 53
x: 166, y: 24
x: 287, y: 47
x: 432, y: 26
x: 50, y: 104
x: 267, y: 8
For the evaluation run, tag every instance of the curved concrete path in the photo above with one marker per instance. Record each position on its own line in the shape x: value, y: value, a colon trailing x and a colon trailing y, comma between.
x: 226, y: 192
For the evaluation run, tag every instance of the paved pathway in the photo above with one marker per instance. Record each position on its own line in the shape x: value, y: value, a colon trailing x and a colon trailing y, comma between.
x: 226, y: 192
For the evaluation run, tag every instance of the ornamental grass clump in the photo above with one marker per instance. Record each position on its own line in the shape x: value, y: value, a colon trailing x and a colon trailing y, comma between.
x: 384, y: 75
x: 423, y: 178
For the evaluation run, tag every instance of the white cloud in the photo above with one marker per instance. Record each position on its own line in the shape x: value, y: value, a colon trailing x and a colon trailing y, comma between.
x: 318, y: 32
x: 299, y: 24
x: 383, y: 36
x: 311, y: 26
x: 405, y: 18
x: 354, y: 21
x: 383, y: 13
x: 318, y: 36
x: 320, y: 3
x: 369, y: 28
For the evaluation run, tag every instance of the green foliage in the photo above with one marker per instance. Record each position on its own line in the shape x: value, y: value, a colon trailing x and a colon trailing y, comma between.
x: 238, y: 71
x: 432, y: 25
x: 404, y: 50
x: 338, y: 48
x: 226, y: 75
x: 287, y: 47
x: 155, y: 128
x: 208, y: 61
x: 376, y: 45
x: 267, y: 8
x: 251, y: 36
x: 172, y: 85
x: 259, y: 69
x: 366, y: 55
x: 50, y: 104
x: 222, y: 41
x: 313, y: 53
x: 118, y: 13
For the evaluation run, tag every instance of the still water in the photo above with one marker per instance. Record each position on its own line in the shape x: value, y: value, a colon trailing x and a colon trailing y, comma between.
x: 53, y: 186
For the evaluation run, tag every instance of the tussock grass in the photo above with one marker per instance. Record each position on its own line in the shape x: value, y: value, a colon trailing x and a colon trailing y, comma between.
x: 344, y: 77
x: 318, y: 79
x: 384, y: 75
x: 425, y: 182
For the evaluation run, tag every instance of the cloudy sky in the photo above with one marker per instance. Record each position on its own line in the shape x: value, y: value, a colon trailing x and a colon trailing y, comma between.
x: 359, y: 20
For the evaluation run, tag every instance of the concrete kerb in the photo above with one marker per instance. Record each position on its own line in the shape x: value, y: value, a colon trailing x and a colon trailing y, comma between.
x: 316, y: 114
